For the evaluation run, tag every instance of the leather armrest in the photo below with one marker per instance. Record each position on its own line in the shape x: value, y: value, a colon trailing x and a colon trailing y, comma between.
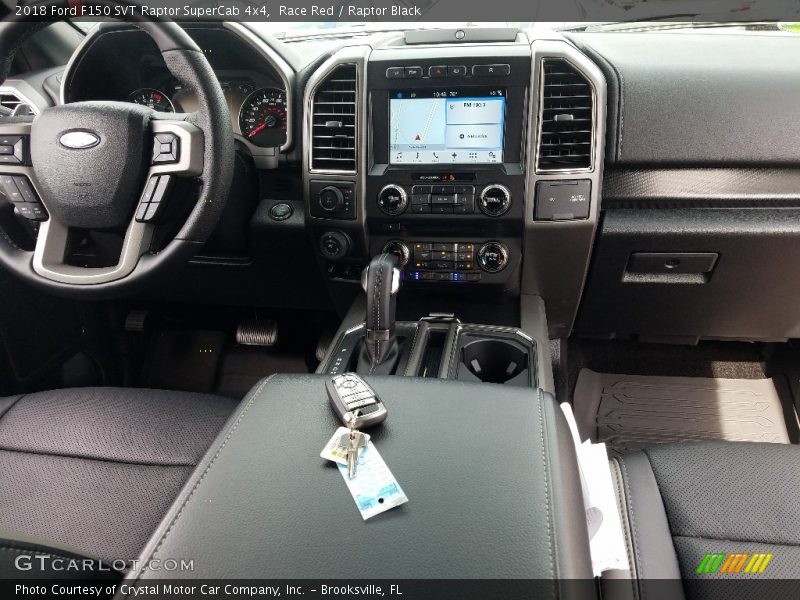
x: 490, y: 473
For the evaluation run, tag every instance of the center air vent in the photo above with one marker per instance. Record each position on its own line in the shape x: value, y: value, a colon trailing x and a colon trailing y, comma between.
x: 565, y: 115
x: 333, y: 122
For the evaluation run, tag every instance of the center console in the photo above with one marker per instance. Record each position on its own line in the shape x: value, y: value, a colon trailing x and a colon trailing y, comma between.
x: 262, y: 504
x: 447, y: 177
x: 477, y: 163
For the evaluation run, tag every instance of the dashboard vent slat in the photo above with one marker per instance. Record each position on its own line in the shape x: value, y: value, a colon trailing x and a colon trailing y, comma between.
x: 9, y: 102
x: 333, y: 122
x: 566, y: 112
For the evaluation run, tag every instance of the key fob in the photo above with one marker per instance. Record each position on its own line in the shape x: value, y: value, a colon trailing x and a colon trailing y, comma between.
x: 355, y: 403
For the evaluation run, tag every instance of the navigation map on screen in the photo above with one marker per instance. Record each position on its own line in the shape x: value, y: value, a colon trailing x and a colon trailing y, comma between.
x: 446, y: 126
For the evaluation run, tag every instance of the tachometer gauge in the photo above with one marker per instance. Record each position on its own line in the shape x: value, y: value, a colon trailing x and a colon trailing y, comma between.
x: 262, y: 118
x: 155, y: 99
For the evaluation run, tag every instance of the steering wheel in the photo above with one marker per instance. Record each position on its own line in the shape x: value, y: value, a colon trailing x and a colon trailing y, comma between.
x: 109, y: 166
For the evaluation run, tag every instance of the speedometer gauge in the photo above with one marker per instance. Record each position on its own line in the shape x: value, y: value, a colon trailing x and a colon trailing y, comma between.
x: 155, y: 99
x: 262, y: 118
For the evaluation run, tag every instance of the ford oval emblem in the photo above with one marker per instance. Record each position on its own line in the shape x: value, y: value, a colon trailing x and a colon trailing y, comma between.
x: 79, y: 140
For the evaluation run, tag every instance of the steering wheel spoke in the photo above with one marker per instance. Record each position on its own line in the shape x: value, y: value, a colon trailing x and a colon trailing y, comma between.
x: 177, y: 152
x: 17, y: 180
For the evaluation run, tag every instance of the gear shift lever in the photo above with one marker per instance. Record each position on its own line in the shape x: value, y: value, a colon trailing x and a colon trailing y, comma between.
x: 381, y: 282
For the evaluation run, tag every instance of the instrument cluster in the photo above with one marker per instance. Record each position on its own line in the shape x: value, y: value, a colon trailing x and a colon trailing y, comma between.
x: 258, y: 112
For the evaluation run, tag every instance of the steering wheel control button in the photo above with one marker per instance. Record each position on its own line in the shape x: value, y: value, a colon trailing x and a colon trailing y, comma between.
x: 495, y: 200
x: 166, y: 149
x: 151, y: 202
x: 563, y: 200
x: 281, y: 211
x: 392, y: 199
x: 334, y: 245
x: 10, y: 189
x: 12, y: 150
x: 26, y: 189
x: 493, y: 257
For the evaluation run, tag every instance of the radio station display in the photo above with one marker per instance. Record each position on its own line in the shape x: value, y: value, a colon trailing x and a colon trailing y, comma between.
x: 458, y: 126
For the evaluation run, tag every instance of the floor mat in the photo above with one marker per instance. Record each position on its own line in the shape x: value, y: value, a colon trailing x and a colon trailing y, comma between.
x: 629, y: 412
x: 183, y: 360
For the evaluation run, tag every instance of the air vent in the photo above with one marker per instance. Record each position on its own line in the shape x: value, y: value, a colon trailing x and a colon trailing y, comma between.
x: 565, y: 140
x: 10, y: 102
x: 333, y: 136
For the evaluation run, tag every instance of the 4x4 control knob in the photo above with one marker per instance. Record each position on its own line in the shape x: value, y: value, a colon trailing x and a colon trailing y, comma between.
x: 334, y: 245
x: 495, y: 200
x: 400, y: 250
x: 392, y: 199
x: 493, y: 257
x: 331, y: 199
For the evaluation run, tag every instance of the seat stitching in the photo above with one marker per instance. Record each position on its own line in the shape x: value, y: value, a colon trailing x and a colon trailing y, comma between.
x: 622, y: 504
x: 632, y: 519
x: 546, y: 490
x: 96, y: 459
x: 202, y: 477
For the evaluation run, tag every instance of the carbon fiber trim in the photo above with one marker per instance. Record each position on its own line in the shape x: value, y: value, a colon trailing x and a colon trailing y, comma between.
x: 679, y: 188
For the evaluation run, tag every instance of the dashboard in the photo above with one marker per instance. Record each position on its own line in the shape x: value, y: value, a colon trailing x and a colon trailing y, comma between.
x: 578, y: 168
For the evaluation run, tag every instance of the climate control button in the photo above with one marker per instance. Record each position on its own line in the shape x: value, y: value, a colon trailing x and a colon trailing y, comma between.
x: 392, y: 199
x: 493, y: 257
x: 495, y: 200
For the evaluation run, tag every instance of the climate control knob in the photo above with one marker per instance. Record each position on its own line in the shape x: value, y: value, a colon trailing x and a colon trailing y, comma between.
x: 493, y: 257
x: 334, y: 245
x: 400, y: 250
x: 331, y: 199
x: 495, y: 200
x: 392, y: 199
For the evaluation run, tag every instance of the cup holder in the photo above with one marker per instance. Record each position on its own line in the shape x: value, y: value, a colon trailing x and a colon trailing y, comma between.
x: 495, y: 360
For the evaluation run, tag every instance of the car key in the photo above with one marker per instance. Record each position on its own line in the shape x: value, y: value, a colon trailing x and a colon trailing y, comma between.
x: 355, y: 441
x: 354, y: 401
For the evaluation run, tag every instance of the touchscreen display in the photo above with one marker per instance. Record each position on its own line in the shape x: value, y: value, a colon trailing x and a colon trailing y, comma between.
x: 458, y: 126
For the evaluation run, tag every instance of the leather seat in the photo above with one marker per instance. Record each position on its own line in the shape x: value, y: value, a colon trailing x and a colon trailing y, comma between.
x: 681, y: 502
x: 92, y: 471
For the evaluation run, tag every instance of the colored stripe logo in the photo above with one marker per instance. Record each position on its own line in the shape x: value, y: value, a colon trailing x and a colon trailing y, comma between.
x: 734, y: 563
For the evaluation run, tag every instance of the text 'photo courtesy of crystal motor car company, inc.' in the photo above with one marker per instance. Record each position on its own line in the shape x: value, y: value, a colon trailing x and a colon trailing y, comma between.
x: 386, y: 298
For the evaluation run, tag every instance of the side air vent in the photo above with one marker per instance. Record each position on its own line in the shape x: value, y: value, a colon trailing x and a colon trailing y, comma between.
x: 333, y: 122
x: 567, y: 107
x: 10, y: 102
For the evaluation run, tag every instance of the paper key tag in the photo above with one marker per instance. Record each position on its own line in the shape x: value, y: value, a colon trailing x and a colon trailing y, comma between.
x: 332, y: 450
x: 374, y: 488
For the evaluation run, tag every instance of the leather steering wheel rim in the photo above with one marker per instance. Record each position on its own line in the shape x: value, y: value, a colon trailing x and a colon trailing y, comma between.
x: 188, y: 65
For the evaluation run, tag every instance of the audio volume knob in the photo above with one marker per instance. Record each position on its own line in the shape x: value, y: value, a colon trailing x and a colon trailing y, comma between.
x: 334, y: 245
x: 400, y: 250
x: 392, y: 199
x: 495, y: 200
x: 331, y: 199
x: 493, y: 257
